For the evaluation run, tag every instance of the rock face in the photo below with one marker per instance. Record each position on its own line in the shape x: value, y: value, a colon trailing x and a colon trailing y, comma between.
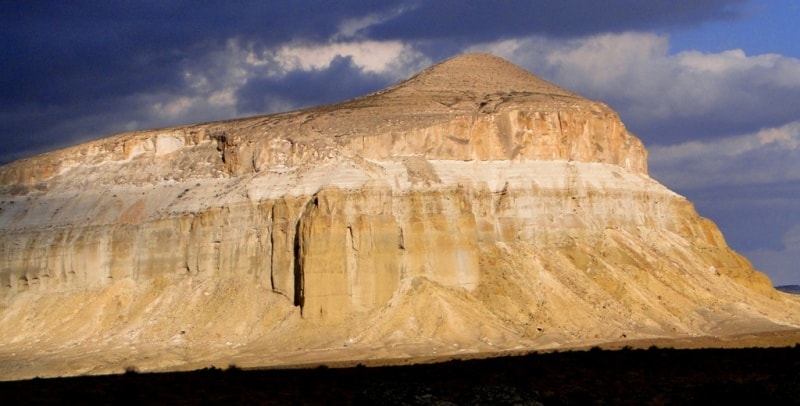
x: 473, y: 207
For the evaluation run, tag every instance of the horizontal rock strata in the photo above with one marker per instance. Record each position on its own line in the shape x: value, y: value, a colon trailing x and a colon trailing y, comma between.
x: 473, y: 207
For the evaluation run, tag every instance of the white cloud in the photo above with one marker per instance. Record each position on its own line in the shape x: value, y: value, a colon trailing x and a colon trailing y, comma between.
x: 174, y: 107
x: 770, y: 155
x: 372, y: 56
x: 602, y: 63
x: 239, y: 62
x: 726, y: 61
x: 785, y: 137
x: 353, y: 27
x: 212, y: 82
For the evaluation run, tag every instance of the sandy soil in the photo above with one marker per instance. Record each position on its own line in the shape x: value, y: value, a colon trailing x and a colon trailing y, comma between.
x: 154, y: 358
x: 764, y: 339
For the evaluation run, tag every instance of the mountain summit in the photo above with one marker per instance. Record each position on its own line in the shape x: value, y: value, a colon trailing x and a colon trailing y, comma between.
x: 471, y: 107
x: 477, y: 76
x: 471, y: 208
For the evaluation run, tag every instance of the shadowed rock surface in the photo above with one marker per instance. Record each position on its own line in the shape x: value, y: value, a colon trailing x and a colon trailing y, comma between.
x: 471, y: 208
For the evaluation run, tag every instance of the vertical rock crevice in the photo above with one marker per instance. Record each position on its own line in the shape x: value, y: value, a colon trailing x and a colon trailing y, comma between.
x: 299, y: 294
x: 298, y: 261
x: 299, y: 249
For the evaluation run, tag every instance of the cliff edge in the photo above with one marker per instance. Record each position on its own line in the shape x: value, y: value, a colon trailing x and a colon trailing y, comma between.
x: 473, y: 207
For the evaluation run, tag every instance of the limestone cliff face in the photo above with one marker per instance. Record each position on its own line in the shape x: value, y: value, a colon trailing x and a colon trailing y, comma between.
x: 472, y: 108
x: 472, y: 205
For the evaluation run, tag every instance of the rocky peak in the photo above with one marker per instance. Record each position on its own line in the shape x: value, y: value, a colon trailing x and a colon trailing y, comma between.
x: 480, y: 75
x: 471, y: 107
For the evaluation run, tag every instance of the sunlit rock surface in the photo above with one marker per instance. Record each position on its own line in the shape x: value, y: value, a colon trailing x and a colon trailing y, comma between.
x: 473, y: 207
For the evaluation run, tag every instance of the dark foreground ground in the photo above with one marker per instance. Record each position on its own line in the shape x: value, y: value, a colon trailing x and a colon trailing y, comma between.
x: 637, y: 377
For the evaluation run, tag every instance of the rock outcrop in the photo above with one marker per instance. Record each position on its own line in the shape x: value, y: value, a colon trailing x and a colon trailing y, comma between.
x: 473, y: 207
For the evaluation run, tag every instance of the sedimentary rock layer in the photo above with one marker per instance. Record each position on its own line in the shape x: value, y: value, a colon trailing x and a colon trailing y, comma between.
x: 342, y: 234
x: 473, y: 207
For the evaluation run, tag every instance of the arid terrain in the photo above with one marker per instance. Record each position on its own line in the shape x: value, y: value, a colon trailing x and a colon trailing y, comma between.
x: 471, y: 210
x: 652, y: 376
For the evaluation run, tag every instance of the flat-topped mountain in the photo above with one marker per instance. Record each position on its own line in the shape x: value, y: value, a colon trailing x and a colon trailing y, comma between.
x: 476, y: 107
x: 473, y: 207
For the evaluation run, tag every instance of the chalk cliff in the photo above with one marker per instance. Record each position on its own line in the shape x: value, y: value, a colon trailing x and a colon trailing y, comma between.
x: 473, y: 207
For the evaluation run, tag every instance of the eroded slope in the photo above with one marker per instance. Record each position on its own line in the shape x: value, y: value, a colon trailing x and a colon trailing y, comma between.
x: 473, y: 207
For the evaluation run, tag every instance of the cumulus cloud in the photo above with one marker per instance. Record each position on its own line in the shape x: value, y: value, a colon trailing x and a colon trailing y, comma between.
x: 771, y: 155
x: 247, y: 79
x: 373, y: 57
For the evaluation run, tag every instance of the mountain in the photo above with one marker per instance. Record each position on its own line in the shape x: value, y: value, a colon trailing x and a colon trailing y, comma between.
x: 471, y: 208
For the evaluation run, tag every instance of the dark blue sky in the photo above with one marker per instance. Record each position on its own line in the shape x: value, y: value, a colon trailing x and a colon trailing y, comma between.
x: 711, y: 86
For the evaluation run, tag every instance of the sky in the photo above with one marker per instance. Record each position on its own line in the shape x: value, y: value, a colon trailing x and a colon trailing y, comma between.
x: 712, y: 87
